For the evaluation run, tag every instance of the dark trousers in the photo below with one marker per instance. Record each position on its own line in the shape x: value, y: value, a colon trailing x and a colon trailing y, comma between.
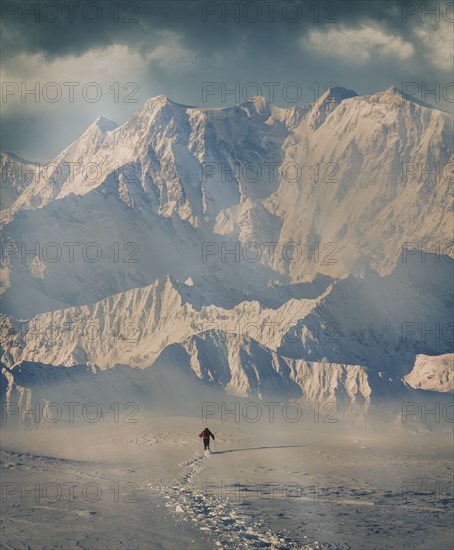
x: 206, y: 444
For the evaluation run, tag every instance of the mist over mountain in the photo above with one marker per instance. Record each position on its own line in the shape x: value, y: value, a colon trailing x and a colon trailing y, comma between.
x: 301, y: 252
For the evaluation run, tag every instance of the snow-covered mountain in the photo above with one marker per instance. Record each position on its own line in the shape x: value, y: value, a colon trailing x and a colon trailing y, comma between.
x: 371, y: 183
x: 433, y: 373
x: 70, y: 164
x: 261, y: 247
x: 345, y: 180
x: 17, y: 174
x: 242, y: 370
x: 379, y: 322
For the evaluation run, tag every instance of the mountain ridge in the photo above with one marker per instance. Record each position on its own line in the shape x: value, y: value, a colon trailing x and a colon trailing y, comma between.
x: 272, y: 239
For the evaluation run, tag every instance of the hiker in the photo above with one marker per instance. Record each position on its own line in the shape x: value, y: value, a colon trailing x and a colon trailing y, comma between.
x: 205, y: 435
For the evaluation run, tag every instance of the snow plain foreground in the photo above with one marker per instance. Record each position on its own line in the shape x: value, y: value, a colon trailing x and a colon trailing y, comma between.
x: 268, y: 485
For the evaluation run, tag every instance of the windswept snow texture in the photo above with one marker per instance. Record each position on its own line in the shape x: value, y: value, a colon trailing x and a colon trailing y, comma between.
x: 226, y: 520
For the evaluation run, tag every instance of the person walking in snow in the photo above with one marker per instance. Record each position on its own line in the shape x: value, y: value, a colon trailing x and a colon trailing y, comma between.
x: 205, y: 435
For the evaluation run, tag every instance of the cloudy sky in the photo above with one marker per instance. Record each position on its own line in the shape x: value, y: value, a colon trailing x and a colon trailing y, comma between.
x: 85, y: 59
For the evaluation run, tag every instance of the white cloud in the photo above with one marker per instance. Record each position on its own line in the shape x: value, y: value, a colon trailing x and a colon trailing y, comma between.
x: 359, y: 45
x: 91, y: 65
x: 171, y: 51
x: 439, y: 42
x: 104, y: 66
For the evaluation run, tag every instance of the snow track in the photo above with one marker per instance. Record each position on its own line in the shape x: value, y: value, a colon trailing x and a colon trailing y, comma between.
x: 227, y: 521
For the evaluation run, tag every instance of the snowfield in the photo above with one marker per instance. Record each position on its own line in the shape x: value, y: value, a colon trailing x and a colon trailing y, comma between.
x: 266, y: 486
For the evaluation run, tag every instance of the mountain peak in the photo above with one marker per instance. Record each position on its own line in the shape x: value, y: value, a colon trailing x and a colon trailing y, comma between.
x: 337, y: 93
x: 398, y: 96
x: 259, y: 103
x: 88, y: 139
x: 393, y: 90
x: 6, y: 156
x: 326, y: 103
x: 162, y: 99
x: 104, y: 124
x: 394, y: 93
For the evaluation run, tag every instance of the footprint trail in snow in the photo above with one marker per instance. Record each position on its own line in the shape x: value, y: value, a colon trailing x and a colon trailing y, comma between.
x: 223, y: 518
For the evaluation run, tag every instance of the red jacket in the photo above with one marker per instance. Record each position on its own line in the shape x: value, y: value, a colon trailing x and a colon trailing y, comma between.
x: 205, y: 434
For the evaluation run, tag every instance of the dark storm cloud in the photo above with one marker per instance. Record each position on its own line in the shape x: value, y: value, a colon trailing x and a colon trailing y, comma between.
x: 204, y: 25
x: 219, y: 48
